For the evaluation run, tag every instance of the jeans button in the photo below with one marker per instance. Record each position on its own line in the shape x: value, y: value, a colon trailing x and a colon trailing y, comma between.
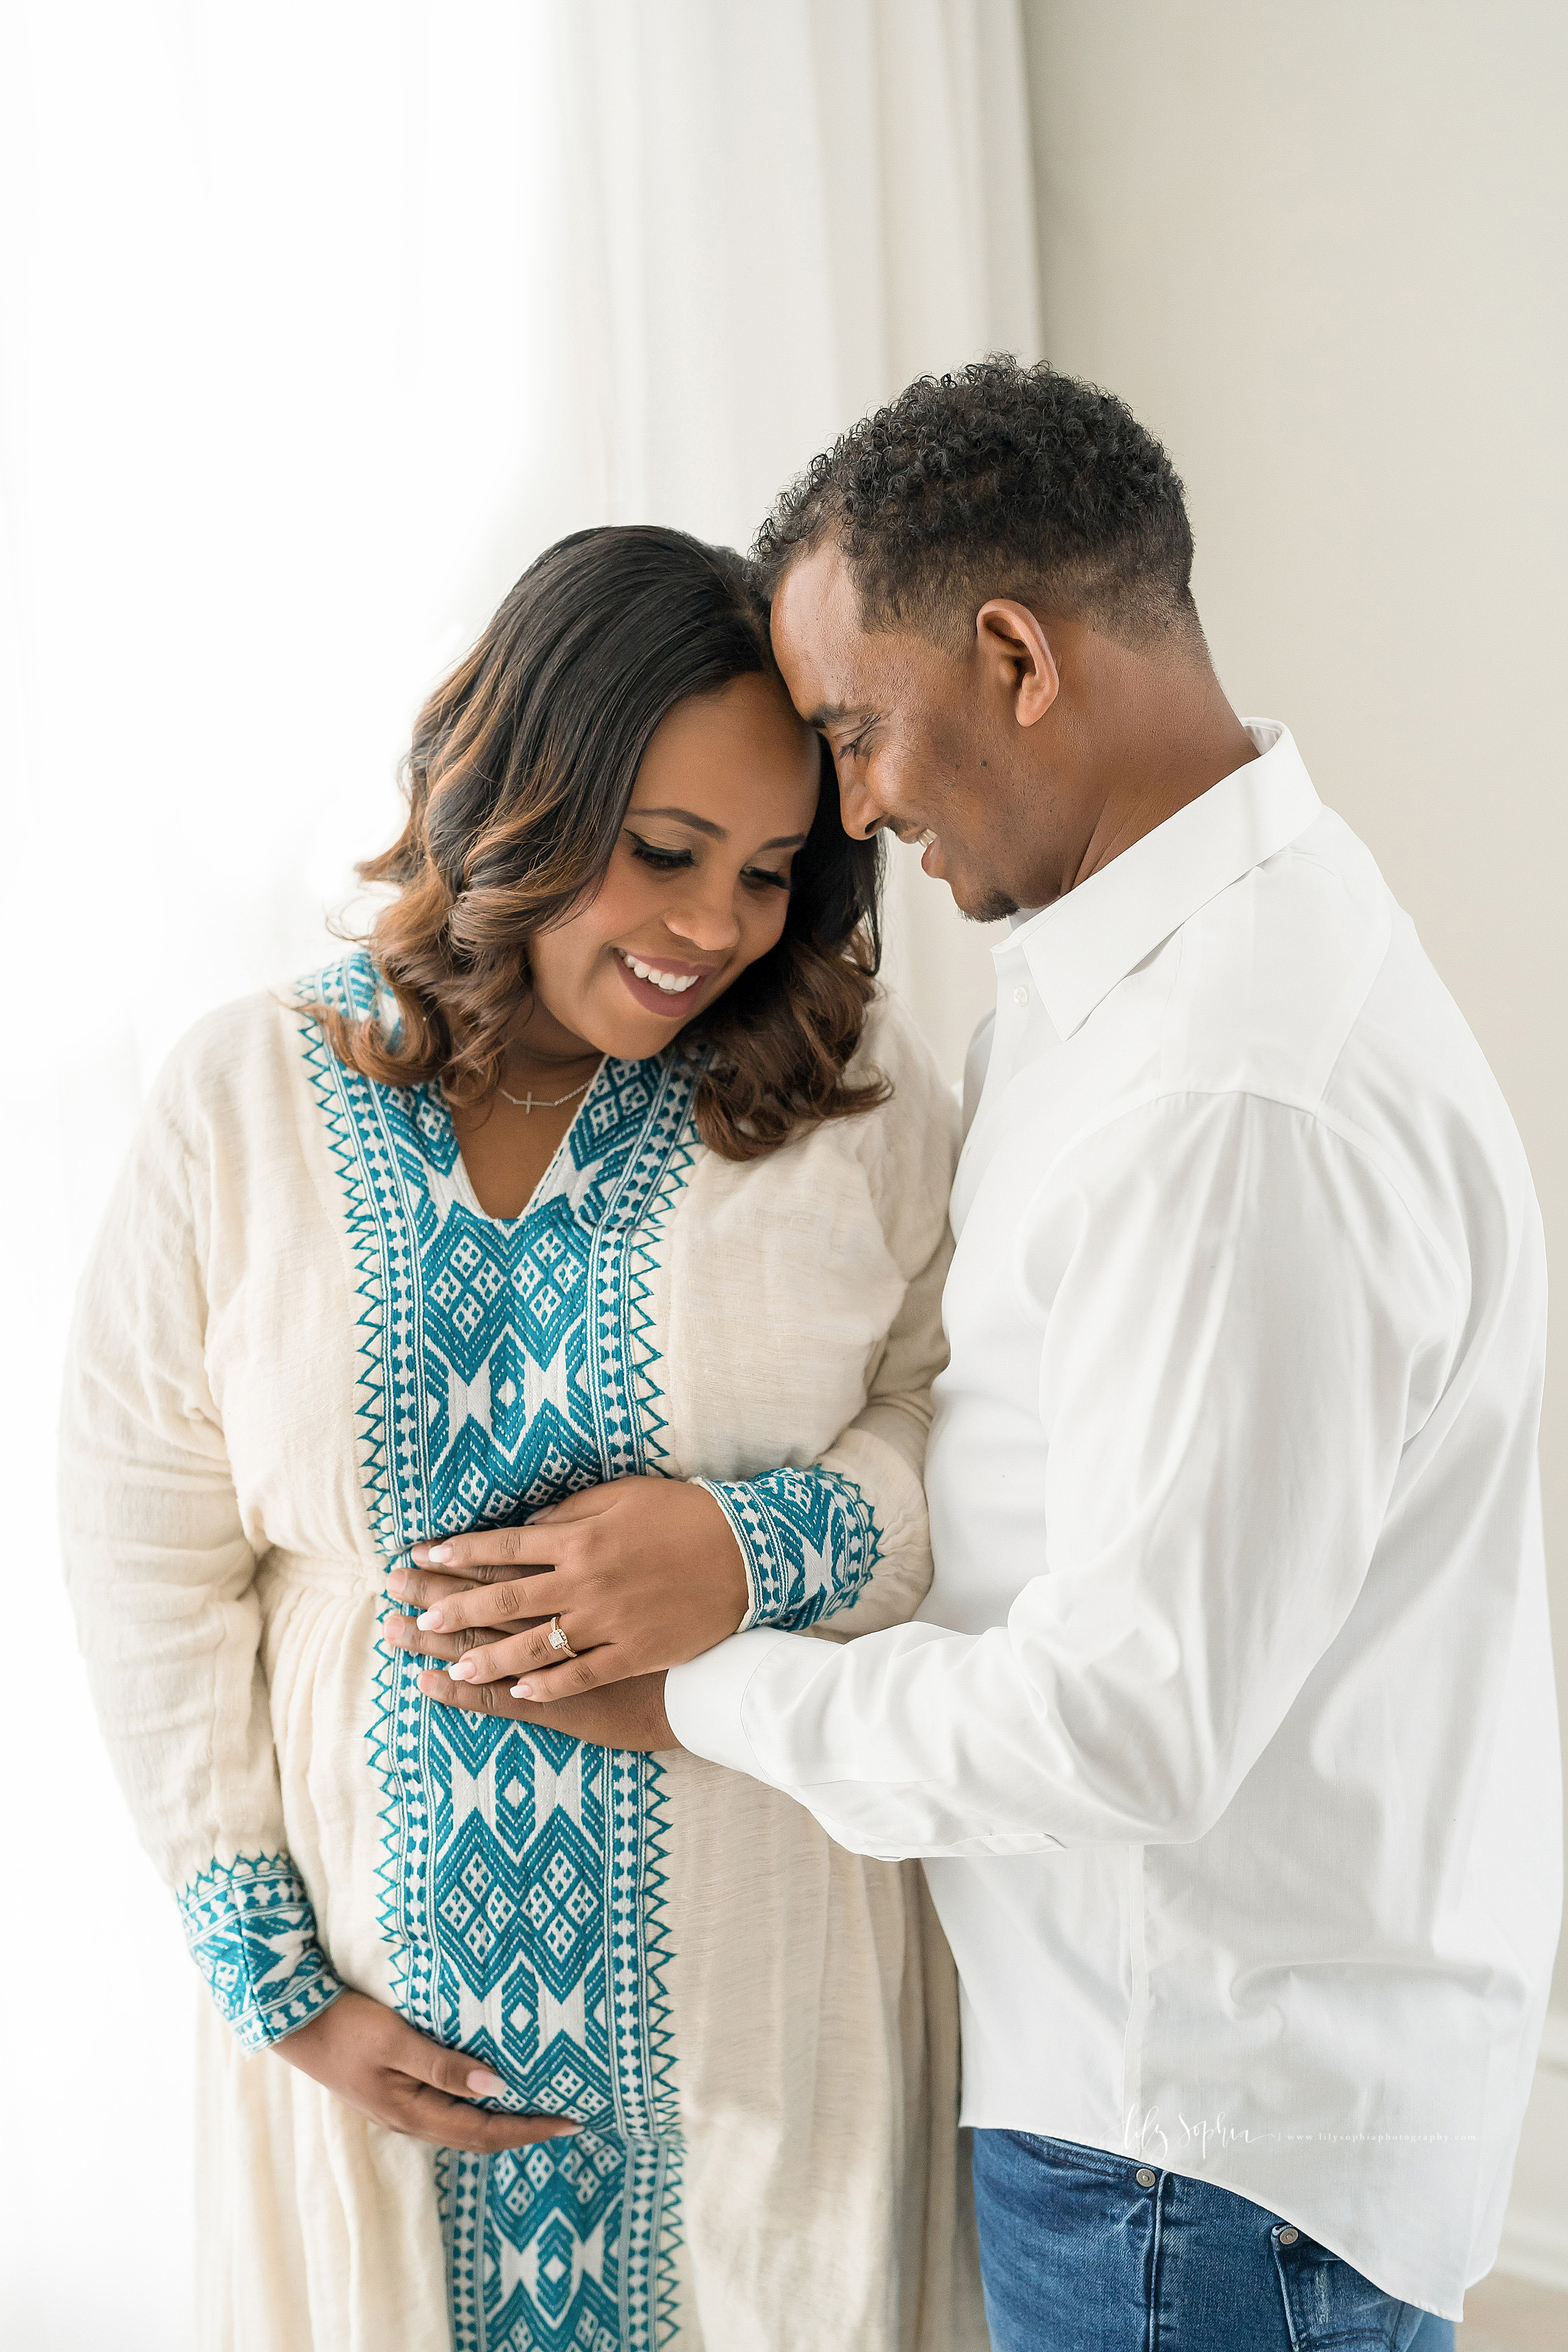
x: 1288, y: 2237
x: 1146, y: 2179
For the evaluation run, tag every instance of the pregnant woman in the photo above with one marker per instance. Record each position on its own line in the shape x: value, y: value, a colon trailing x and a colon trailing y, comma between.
x: 606, y: 1166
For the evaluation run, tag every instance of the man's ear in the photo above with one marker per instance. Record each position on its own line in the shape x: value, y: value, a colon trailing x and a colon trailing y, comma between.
x: 1011, y: 642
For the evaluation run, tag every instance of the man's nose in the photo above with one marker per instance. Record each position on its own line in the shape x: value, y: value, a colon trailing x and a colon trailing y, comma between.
x: 859, y: 810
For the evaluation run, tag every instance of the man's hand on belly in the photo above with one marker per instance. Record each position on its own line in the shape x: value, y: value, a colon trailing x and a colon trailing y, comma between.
x: 639, y: 1576
x: 623, y: 1715
x: 375, y: 2061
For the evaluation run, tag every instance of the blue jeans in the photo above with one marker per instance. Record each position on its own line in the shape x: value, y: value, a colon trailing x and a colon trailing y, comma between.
x: 1085, y: 2251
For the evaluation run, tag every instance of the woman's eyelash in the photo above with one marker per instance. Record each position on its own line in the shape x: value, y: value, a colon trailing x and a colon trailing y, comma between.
x: 852, y: 751
x: 667, y: 861
x: 672, y: 861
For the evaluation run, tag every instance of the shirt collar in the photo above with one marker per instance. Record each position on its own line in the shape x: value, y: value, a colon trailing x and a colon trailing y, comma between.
x: 1080, y: 948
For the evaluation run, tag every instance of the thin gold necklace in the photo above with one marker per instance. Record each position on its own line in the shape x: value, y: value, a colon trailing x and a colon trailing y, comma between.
x: 529, y: 1103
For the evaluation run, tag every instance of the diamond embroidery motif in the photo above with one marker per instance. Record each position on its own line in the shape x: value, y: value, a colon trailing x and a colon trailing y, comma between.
x: 550, y: 1277
x: 563, y: 1903
x: 554, y: 2251
x: 504, y: 1364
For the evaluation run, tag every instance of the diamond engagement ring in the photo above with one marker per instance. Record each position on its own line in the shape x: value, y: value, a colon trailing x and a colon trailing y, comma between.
x: 558, y: 1641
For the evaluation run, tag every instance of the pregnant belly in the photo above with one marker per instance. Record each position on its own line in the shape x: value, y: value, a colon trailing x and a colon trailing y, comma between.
x: 499, y: 1883
x: 524, y: 1883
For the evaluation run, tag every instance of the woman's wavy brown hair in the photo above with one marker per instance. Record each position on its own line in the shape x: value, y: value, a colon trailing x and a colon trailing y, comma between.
x: 518, y: 780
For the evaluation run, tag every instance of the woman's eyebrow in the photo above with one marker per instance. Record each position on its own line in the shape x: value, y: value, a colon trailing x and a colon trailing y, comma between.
x: 683, y: 816
x: 715, y: 832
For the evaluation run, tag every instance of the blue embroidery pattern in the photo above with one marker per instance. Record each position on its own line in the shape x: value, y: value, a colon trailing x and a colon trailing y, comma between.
x: 808, y: 1537
x: 503, y: 1365
x: 252, y: 1933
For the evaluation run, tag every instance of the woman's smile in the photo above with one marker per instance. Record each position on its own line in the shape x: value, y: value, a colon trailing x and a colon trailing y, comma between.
x: 662, y: 984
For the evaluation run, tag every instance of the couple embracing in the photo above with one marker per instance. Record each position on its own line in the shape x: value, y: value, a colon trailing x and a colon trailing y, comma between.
x: 1106, y: 1557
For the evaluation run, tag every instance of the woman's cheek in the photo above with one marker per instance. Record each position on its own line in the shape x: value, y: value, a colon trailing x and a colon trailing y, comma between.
x: 772, y: 924
x: 566, y: 966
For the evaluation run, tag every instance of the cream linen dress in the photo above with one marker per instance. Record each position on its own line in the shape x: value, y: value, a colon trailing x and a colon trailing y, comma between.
x: 302, y: 1347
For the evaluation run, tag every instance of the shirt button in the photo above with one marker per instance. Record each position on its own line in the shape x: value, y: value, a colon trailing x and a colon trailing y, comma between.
x: 1288, y: 2237
x: 1020, y: 996
x: 1144, y: 2178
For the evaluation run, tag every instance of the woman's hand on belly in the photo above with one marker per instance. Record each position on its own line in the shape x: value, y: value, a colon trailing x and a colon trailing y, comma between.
x: 373, y: 2060
x: 639, y: 1575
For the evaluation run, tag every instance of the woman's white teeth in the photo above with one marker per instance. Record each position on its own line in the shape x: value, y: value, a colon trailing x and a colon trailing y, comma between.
x: 674, y: 984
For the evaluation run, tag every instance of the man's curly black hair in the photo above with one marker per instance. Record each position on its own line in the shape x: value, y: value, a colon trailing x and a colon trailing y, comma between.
x: 1001, y: 480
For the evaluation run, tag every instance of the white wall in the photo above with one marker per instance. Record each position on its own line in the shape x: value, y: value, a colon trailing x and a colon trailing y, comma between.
x: 1323, y: 251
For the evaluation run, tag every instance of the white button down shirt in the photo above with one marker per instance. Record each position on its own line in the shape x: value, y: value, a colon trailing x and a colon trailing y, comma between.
x: 1227, y: 1729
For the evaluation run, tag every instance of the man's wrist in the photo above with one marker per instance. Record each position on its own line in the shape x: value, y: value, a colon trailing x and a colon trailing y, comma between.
x: 704, y: 1700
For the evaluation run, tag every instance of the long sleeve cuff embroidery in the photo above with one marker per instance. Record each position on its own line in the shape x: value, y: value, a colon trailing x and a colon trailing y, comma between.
x: 252, y: 1933
x: 809, y: 1540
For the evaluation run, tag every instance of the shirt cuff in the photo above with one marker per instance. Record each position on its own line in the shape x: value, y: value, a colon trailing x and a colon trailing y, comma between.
x: 704, y: 1699
x: 252, y: 1933
x: 808, y: 1541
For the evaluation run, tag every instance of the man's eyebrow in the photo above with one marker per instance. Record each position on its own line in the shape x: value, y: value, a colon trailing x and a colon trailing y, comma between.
x: 685, y: 816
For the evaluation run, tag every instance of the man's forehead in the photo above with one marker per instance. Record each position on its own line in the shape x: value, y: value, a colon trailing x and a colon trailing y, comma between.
x: 824, y: 652
x: 816, y: 593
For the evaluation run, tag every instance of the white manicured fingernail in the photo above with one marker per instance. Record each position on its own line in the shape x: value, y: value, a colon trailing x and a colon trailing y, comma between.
x: 486, y: 2085
x: 523, y: 1690
x: 461, y: 1673
x: 439, y: 1553
x: 430, y: 1623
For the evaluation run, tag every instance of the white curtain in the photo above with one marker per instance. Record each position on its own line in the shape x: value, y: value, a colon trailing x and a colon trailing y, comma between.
x: 316, y: 322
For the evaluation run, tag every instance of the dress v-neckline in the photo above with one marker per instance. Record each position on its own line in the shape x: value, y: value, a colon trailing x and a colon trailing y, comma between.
x: 463, y: 1184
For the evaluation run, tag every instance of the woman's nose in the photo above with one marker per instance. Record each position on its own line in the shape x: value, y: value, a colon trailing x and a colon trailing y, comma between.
x: 708, y: 925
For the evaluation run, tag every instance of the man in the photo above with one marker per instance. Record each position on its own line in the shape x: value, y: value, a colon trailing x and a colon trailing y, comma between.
x: 1228, y: 1729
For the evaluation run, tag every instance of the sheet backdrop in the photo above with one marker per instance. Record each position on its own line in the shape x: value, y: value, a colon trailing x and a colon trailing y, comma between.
x: 316, y: 322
